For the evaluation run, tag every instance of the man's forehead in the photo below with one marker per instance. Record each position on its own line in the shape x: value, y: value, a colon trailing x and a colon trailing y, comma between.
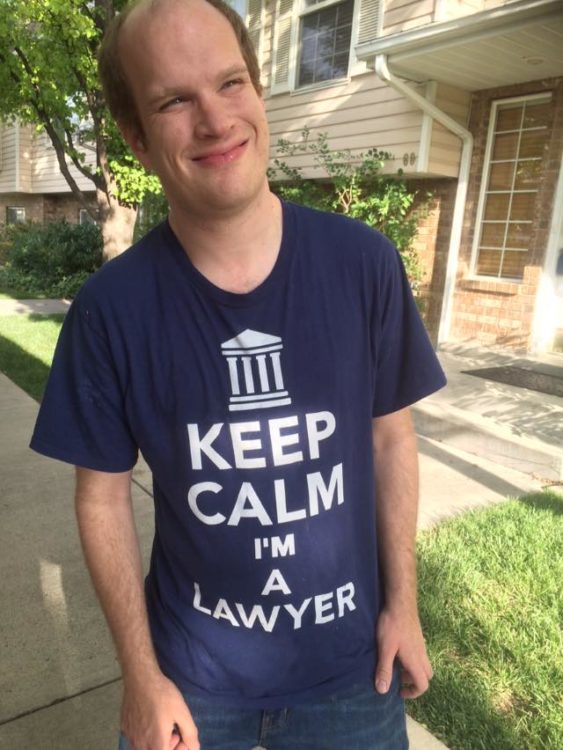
x: 146, y: 10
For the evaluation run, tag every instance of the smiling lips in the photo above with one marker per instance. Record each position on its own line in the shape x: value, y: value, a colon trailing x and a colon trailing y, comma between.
x: 218, y: 158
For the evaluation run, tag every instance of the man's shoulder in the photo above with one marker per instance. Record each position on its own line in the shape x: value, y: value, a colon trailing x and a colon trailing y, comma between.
x: 128, y: 274
x: 342, y: 237
x: 337, y: 226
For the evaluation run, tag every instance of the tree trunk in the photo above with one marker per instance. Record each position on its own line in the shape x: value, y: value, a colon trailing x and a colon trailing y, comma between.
x: 117, y: 223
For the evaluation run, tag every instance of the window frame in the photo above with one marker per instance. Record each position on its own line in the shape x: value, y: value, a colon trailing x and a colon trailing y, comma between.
x: 83, y: 212
x: 304, y: 10
x: 299, y: 10
x: 546, y: 96
x: 17, y: 221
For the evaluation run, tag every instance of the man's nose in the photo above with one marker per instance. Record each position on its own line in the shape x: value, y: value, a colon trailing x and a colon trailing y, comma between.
x: 213, y: 118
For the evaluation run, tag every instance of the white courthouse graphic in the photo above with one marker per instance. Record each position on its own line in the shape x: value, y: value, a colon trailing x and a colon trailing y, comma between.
x: 254, y: 361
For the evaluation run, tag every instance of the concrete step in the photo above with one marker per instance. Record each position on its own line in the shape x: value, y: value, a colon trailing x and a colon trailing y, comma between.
x: 480, y: 436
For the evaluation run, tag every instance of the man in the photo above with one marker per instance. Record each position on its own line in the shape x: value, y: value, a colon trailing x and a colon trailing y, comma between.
x: 262, y: 357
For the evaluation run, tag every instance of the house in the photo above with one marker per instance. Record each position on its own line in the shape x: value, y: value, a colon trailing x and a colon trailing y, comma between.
x: 32, y: 187
x: 467, y: 95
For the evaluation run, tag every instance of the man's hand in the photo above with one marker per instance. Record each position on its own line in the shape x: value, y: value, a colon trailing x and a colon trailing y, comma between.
x: 150, y: 713
x: 399, y: 635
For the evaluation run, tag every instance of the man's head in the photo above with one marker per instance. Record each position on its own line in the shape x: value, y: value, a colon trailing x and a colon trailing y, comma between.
x: 117, y: 89
x: 191, y: 107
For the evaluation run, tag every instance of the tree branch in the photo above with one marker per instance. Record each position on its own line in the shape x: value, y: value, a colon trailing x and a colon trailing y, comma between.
x: 39, y: 107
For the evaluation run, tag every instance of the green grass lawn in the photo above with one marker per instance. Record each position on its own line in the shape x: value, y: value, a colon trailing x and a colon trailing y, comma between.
x: 491, y: 599
x: 27, y: 343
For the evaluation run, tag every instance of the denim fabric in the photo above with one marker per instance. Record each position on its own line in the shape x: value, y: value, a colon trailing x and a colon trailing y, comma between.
x: 354, y: 719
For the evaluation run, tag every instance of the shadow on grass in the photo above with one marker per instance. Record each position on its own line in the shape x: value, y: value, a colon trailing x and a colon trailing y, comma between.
x: 25, y: 370
x: 550, y: 501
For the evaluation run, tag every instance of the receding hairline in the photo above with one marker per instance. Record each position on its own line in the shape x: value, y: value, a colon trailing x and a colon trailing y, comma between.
x: 151, y: 7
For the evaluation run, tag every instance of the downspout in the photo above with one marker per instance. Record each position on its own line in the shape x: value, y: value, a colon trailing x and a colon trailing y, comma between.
x: 382, y: 70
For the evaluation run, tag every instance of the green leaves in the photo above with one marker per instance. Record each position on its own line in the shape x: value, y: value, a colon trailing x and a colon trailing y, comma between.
x: 352, y: 184
x: 48, y: 77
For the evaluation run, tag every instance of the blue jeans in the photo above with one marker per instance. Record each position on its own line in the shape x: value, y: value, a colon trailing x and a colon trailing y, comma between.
x: 354, y: 719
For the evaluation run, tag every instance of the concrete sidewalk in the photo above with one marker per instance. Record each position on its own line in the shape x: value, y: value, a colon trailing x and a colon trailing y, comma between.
x: 59, y: 680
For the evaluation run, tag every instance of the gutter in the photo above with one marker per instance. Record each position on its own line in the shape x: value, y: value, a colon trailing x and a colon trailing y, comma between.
x: 383, y: 72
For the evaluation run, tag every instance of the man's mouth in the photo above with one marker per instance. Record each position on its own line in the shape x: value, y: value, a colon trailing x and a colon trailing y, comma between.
x: 221, y: 156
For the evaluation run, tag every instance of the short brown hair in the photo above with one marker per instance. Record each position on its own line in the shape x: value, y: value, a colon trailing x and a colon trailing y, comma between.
x: 117, y: 91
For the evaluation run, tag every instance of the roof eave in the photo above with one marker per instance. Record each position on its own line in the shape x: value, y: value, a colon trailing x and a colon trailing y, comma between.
x: 447, y: 33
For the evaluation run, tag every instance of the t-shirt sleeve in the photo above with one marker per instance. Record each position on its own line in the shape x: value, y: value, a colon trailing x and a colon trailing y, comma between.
x: 82, y: 417
x: 406, y: 368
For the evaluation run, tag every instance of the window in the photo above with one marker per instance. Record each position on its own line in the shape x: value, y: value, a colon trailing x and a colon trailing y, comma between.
x: 239, y: 6
x: 15, y: 215
x: 84, y: 217
x: 314, y: 40
x: 518, y: 134
x: 325, y: 32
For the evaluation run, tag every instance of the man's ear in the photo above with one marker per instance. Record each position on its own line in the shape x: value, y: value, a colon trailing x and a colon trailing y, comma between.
x: 137, y: 143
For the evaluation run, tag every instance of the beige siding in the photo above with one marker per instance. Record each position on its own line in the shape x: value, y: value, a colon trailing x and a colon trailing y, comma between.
x: 445, y: 147
x: 25, y: 156
x: 400, y: 15
x: 47, y: 177
x: 448, y: 9
x: 360, y: 115
x: 8, y: 168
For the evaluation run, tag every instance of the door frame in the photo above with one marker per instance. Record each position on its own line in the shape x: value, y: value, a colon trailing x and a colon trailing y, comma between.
x: 545, y: 310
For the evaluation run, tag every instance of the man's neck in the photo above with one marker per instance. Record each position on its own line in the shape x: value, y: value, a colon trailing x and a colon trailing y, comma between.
x: 236, y: 252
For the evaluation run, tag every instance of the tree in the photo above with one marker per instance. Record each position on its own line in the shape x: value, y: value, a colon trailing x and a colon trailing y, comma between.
x: 48, y: 77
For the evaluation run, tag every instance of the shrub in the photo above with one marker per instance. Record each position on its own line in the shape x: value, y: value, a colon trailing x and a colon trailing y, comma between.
x: 53, y: 259
x: 354, y: 186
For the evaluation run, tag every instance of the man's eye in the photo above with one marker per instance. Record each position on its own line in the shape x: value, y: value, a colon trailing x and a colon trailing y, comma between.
x: 172, y: 103
x: 233, y: 82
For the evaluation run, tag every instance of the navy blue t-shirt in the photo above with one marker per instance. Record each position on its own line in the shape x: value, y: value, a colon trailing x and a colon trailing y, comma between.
x: 254, y: 412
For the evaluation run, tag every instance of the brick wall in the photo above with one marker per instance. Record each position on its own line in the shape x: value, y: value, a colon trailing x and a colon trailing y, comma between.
x: 432, y: 244
x: 501, y: 312
x: 33, y: 205
x: 64, y: 207
x: 43, y: 208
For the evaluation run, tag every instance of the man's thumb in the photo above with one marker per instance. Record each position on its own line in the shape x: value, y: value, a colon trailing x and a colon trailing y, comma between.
x: 384, y: 672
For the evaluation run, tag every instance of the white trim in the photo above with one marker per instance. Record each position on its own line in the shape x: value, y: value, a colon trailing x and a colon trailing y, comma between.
x: 294, y: 46
x: 356, y: 66
x: 382, y: 70
x: 320, y: 85
x: 440, y: 8
x: 485, y: 173
x: 544, y: 323
x: 426, y: 130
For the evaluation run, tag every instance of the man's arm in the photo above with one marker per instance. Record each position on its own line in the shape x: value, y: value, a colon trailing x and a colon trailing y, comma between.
x: 152, y: 704
x: 398, y: 632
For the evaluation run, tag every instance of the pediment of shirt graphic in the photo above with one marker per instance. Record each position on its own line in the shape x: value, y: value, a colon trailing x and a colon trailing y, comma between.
x: 249, y: 339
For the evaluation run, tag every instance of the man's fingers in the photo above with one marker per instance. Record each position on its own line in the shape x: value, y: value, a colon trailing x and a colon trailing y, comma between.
x: 188, y: 739
x: 413, y: 685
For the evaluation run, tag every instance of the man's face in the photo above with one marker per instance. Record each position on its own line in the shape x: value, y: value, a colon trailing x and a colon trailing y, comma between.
x: 204, y: 126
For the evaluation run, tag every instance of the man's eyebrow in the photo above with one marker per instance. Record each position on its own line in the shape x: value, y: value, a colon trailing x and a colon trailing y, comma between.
x: 233, y: 71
